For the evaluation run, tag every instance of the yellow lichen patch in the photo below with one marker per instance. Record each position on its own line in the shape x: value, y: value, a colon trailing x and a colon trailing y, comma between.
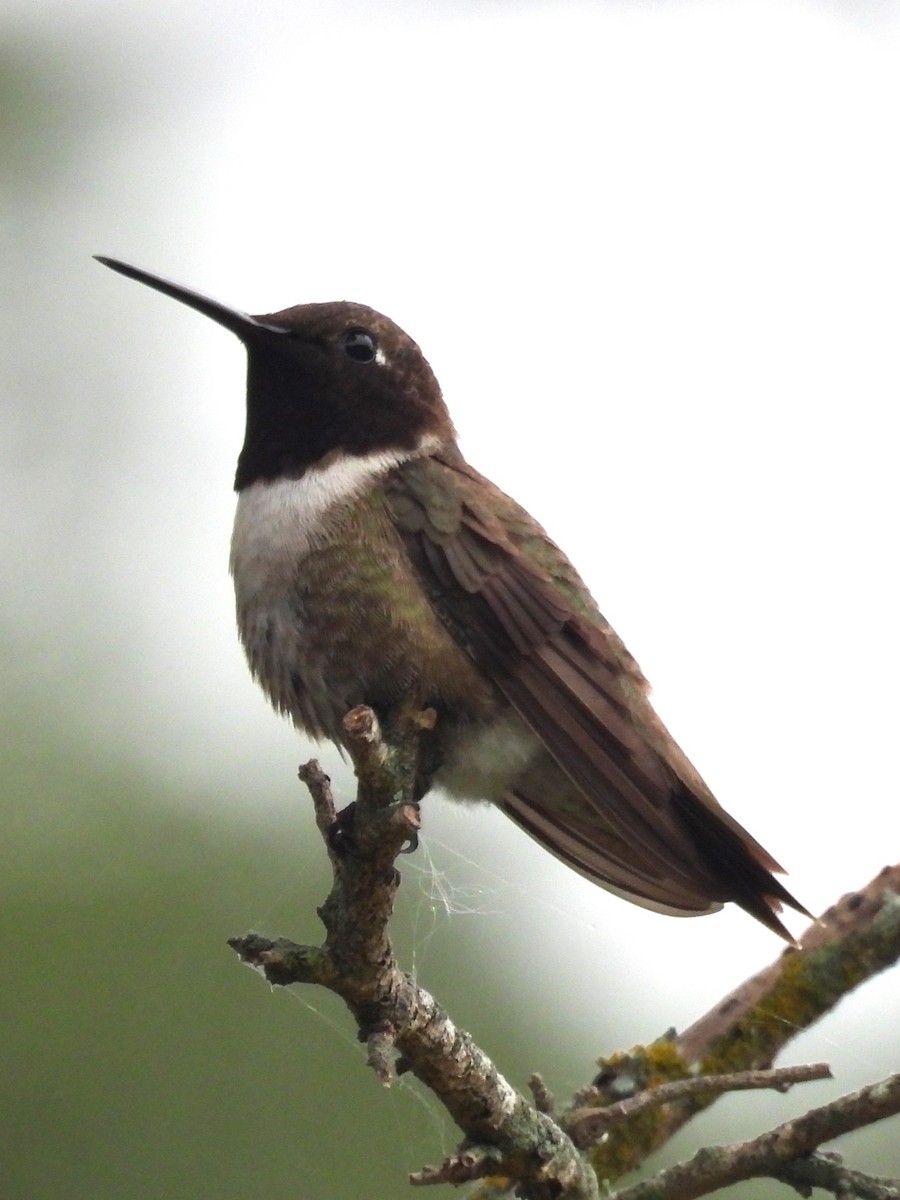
x: 626, y: 1145
x: 808, y: 986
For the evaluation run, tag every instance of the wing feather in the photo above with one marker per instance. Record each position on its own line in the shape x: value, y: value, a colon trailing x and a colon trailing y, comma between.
x: 643, y: 822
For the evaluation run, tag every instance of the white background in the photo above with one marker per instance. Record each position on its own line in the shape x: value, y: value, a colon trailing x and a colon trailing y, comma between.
x: 651, y: 251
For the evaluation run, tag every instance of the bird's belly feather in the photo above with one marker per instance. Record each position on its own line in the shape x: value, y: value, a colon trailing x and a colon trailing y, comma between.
x: 332, y: 615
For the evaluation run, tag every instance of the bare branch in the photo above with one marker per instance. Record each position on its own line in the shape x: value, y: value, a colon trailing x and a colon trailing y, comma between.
x: 504, y: 1133
x: 826, y: 1171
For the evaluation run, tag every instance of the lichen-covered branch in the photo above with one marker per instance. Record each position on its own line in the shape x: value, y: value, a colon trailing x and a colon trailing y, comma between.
x: 854, y: 940
x: 774, y: 1153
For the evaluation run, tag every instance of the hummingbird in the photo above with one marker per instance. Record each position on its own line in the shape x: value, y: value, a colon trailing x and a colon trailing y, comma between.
x: 374, y: 566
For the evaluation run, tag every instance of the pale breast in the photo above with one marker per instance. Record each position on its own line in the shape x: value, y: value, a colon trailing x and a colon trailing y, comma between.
x: 279, y: 521
x: 279, y: 526
x: 330, y: 612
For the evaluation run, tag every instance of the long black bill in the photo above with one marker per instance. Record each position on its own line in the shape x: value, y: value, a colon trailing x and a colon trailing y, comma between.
x: 238, y: 322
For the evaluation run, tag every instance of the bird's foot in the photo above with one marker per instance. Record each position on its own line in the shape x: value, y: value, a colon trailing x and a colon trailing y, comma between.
x: 411, y: 844
x: 341, y: 836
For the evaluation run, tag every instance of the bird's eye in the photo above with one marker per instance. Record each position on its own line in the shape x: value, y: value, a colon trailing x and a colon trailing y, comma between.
x: 359, y: 345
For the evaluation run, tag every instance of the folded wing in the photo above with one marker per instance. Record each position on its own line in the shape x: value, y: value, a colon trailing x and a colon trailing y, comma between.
x: 637, y: 817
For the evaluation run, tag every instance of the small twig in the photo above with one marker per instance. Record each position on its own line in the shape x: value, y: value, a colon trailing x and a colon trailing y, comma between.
x: 475, y: 1162
x: 380, y: 1052
x: 319, y: 785
x: 541, y: 1094
x: 586, y: 1125
x: 366, y: 746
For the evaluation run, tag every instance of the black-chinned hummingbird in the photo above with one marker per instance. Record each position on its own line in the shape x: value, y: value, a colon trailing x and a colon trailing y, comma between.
x: 372, y: 565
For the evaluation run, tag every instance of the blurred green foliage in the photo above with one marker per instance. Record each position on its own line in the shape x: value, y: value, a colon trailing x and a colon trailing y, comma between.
x: 138, y: 1057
